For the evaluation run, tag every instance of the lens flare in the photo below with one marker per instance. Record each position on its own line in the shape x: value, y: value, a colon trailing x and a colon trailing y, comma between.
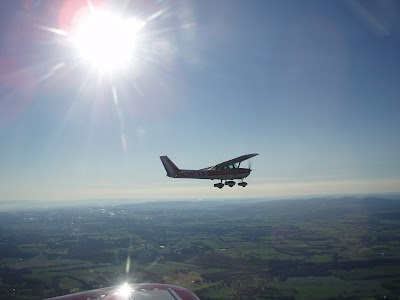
x: 124, y: 290
x: 106, y: 40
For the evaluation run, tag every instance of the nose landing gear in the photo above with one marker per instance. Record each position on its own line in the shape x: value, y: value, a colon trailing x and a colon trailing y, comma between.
x: 242, y: 184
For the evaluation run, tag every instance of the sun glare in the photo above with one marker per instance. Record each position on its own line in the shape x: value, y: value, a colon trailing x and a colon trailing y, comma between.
x: 124, y: 290
x: 106, y: 41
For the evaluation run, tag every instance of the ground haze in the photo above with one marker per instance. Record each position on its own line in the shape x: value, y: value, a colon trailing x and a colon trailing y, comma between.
x: 310, y: 248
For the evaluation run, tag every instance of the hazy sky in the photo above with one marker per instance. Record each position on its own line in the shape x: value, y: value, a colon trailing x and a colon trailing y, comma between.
x: 312, y: 86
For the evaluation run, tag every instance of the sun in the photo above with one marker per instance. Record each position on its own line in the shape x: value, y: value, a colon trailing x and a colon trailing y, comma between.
x: 106, y: 41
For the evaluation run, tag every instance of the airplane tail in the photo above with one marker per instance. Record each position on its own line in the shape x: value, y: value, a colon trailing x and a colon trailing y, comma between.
x: 170, y: 167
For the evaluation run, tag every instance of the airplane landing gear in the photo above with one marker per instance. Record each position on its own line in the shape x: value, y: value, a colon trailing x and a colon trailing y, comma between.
x: 230, y: 183
x: 219, y: 185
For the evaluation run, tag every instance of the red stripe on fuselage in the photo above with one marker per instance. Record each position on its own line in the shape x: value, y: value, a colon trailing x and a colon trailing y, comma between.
x: 214, y: 174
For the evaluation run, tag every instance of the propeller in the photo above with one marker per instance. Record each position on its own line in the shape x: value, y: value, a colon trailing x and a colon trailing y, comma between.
x: 249, y: 164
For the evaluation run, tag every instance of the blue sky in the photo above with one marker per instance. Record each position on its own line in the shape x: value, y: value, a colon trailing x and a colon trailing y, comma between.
x: 313, y: 87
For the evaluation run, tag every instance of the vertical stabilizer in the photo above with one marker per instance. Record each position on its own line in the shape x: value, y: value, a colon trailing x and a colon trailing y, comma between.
x: 170, y: 167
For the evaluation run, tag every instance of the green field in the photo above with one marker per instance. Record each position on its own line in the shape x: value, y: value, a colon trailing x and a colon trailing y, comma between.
x: 289, y: 249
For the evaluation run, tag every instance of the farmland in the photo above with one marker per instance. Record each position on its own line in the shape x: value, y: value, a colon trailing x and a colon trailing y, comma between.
x: 286, y: 249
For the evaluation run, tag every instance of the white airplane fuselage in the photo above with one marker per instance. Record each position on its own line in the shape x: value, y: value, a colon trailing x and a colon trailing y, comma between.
x: 238, y: 173
x: 222, y: 173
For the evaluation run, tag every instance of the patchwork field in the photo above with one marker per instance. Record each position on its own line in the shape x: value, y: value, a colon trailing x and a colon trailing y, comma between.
x: 288, y: 249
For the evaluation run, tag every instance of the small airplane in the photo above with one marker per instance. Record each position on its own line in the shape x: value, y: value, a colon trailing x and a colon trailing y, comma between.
x: 126, y: 291
x: 227, y: 170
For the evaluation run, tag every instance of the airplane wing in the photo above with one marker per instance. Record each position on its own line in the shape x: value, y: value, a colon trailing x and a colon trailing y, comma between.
x: 145, y: 291
x: 236, y: 160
